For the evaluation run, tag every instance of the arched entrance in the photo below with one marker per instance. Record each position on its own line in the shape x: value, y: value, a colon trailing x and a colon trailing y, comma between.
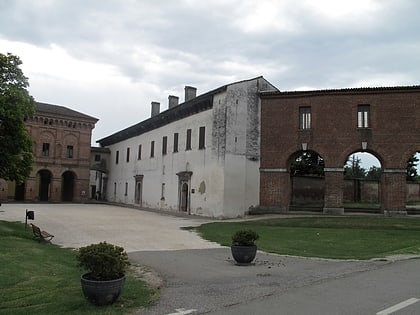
x: 20, y: 192
x: 184, y: 182
x: 67, y: 192
x: 307, y: 181
x: 362, y: 182
x: 44, y: 180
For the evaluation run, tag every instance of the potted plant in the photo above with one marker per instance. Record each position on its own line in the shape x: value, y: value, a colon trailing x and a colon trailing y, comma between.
x: 243, y: 246
x: 105, y: 265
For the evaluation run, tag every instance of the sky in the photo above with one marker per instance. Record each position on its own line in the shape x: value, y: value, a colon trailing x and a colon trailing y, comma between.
x: 111, y: 58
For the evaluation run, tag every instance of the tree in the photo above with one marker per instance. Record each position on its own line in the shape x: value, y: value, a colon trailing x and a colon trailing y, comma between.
x: 16, y: 156
x: 353, y: 168
x: 412, y: 168
x: 374, y: 173
x: 308, y: 163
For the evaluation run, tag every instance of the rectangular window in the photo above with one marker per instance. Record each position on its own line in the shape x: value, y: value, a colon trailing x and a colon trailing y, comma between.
x: 45, y: 149
x: 128, y: 155
x: 97, y: 157
x: 188, y: 143
x: 202, y: 138
x: 69, y: 153
x: 126, y: 189
x: 152, y: 149
x: 117, y: 157
x: 139, y: 152
x: 363, y: 119
x: 164, y: 145
x: 305, y: 117
x: 176, y: 141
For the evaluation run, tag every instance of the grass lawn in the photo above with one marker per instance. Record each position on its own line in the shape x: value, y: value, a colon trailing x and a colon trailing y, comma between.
x: 39, y: 278
x: 327, y: 237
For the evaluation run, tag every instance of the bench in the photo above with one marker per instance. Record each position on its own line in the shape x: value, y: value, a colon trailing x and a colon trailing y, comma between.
x: 41, y: 235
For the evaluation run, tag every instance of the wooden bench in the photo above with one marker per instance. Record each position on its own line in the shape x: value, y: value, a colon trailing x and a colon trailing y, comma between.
x: 41, y: 235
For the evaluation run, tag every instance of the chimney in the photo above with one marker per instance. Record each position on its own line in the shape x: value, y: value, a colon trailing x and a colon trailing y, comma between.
x: 190, y: 93
x: 173, y: 101
x: 155, y: 108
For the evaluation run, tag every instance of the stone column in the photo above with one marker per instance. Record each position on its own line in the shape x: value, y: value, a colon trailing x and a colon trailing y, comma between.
x: 275, y: 189
x: 393, y: 191
x: 333, y: 196
x: 55, y: 189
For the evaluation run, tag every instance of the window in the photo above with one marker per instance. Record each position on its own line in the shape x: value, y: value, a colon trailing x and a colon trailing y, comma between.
x: 202, y: 138
x: 305, y: 117
x: 152, y: 149
x: 97, y: 157
x: 126, y: 189
x: 162, y: 194
x: 164, y: 145
x: 139, y: 152
x: 176, y: 141
x: 69, y: 151
x: 363, y: 119
x: 117, y: 157
x: 45, y: 149
x: 188, y: 143
x: 128, y: 155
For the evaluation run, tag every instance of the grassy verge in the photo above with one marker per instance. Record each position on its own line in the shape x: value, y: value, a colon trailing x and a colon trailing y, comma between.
x: 326, y: 237
x: 39, y: 278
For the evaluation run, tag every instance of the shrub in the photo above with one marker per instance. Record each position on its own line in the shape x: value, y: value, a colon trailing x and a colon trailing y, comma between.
x: 103, y: 261
x: 244, y: 238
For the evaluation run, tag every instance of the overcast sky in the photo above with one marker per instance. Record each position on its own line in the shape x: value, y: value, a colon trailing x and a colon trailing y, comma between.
x: 111, y: 58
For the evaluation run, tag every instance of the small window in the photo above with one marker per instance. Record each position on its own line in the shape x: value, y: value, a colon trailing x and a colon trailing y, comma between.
x: 117, y: 157
x: 152, y: 149
x: 45, y: 149
x: 164, y: 145
x: 305, y: 117
x: 363, y: 119
x: 97, y: 157
x: 126, y: 189
x: 139, y: 152
x: 162, y: 194
x: 69, y: 151
x: 188, y: 143
x: 128, y: 155
x: 202, y: 138
x: 176, y: 135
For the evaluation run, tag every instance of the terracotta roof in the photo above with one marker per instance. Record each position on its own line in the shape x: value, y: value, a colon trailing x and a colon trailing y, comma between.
x: 62, y: 111
x: 360, y: 90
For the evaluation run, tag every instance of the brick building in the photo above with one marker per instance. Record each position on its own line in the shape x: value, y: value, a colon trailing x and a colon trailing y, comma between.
x: 62, y: 150
x: 335, y: 124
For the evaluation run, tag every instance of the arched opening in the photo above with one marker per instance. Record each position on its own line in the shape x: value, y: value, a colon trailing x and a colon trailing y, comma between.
x: 68, y: 179
x: 20, y: 192
x: 44, y: 180
x: 362, y: 178
x: 413, y: 184
x: 307, y: 181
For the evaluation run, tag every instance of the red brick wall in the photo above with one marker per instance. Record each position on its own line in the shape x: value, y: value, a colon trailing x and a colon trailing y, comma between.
x: 392, y: 137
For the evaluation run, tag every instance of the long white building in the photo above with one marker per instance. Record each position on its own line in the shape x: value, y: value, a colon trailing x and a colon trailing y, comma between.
x: 200, y: 157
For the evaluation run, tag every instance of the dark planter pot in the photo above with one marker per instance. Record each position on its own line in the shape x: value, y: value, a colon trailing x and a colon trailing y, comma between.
x: 243, y: 255
x: 101, y: 292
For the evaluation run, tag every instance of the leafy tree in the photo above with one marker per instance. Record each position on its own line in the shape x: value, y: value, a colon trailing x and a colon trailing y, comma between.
x: 353, y: 168
x: 308, y: 163
x: 16, y: 156
x: 374, y: 173
x: 412, y: 168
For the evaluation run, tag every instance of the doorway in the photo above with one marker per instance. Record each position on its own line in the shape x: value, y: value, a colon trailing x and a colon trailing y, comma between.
x: 68, y: 186
x: 44, y: 185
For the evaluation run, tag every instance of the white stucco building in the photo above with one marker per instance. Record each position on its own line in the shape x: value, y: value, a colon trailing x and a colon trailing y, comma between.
x: 200, y: 157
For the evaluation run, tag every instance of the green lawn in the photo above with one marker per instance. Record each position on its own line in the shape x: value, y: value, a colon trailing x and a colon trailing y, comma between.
x: 39, y: 278
x: 327, y: 237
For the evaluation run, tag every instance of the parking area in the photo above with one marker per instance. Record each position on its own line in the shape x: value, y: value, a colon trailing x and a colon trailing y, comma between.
x: 76, y: 225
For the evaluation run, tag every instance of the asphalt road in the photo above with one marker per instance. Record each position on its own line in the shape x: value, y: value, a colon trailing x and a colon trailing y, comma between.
x: 208, y: 282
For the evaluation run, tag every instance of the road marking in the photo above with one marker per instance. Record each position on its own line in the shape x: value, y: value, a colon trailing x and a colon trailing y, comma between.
x: 182, y: 311
x: 398, y: 306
